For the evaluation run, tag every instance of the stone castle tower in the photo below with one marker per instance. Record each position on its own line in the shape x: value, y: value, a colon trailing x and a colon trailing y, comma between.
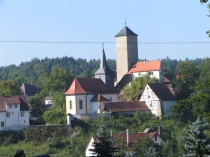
x: 104, y: 72
x: 126, y: 51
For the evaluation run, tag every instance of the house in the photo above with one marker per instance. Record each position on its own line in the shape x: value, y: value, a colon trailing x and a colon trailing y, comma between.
x: 14, y: 112
x: 128, y: 140
x: 86, y: 96
x: 29, y: 90
x: 158, y: 98
x: 126, y: 108
x: 152, y: 68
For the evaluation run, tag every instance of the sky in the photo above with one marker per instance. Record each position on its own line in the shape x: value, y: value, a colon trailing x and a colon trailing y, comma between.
x: 78, y: 28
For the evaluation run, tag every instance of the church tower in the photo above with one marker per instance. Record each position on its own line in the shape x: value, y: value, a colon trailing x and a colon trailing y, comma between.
x: 104, y: 72
x: 126, y: 51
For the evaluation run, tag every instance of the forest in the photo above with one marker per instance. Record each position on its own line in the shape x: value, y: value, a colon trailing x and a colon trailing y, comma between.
x: 190, y: 79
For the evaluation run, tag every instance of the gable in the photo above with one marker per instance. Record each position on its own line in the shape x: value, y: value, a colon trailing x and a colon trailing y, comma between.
x: 162, y: 92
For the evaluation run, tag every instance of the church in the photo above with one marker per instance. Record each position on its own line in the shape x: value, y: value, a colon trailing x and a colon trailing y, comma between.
x: 88, y: 96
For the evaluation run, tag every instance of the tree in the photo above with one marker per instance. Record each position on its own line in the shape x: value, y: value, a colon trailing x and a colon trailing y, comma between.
x: 198, y: 103
x: 208, y: 6
x: 135, y: 88
x: 187, y: 74
x: 86, y: 74
x: 8, y: 88
x: 144, y: 147
x: 103, y: 147
x: 54, y: 116
x: 37, y: 110
x: 58, y: 100
x: 196, y: 142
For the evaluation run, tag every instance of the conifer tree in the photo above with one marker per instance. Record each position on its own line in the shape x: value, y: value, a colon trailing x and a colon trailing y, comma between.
x: 196, y: 143
x: 103, y: 147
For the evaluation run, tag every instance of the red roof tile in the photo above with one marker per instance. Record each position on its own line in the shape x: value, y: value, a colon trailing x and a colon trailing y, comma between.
x: 126, y: 106
x: 145, y: 66
x: 98, y: 98
x: 166, y: 80
x: 22, y: 100
x: 86, y: 85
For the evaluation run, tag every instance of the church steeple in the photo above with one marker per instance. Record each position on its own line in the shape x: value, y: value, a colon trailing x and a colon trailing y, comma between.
x: 104, y: 72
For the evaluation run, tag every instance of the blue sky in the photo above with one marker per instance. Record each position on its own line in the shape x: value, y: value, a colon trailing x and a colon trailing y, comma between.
x: 99, y: 21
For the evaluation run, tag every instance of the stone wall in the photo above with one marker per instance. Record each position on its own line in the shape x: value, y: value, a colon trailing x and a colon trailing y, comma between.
x: 44, y: 132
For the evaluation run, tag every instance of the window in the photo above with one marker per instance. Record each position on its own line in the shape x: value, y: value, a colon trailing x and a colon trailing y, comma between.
x: 148, y: 96
x: 22, y: 114
x: 8, y: 114
x: 10, y: 106
x: 70, y: 104
x: 151, y: 105
x: 2, y: 124
x: 110, y: 98
x: 156, y: 137
x: 150, y: 73
x: 49, y: 102
x: 80, y: 104
x: 15, y: 106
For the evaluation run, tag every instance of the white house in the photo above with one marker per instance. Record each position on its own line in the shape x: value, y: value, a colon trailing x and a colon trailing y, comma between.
x: 152, y: 68
x: 158, y: 98
x: 86, y: 96
x: 128, y: 140
x: 14, y: 112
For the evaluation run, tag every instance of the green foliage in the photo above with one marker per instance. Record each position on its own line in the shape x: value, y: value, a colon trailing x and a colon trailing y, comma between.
x: 196, y: 142
x: 198, y: 103
x: 187, y: 74
x: 54, y: 116
x: 135, y: 88
x: 103, y: 147
x: 37, y: 110
x: 58, y: 80
x: 86, y: 74
x: 9, y: 88
x: 58, y: 100
x: 144, y: 147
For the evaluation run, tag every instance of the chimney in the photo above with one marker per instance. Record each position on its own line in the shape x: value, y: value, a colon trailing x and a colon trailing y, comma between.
x: 160, y: 131
x: 128, y: 137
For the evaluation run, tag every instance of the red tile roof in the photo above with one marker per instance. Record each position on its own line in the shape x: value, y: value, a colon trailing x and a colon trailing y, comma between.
x: 12, y: 100
x: 98, y: 98
x: 89, y: 86
x: 126, y: 106
x: 145, y: 66
x: 22, y: 100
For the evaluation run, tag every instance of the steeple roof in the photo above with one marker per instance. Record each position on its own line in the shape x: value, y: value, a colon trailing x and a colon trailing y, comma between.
x: 103, y: 66
x: 126, y: 32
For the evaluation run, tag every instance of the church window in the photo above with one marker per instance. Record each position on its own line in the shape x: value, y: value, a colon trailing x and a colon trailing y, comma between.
x: 70, y: 104
x: 80, y: 104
